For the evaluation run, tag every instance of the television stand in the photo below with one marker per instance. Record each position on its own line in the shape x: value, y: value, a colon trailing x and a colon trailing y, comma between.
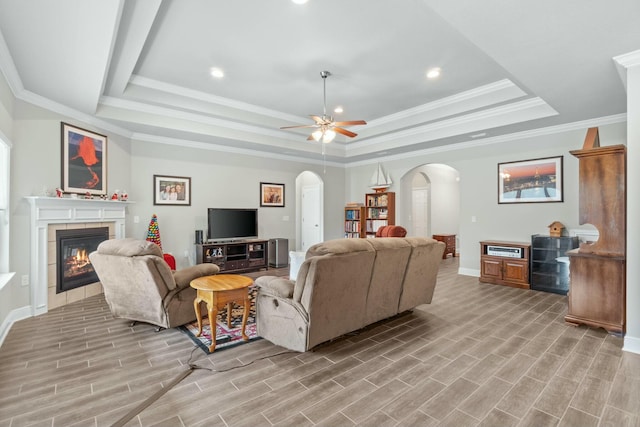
x: 235, y: 256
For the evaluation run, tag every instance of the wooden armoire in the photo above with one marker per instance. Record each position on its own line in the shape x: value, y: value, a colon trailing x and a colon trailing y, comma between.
x: 597, y: 292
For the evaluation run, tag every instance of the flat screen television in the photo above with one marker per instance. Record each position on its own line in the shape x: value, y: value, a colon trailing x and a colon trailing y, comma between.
x: 232, y: 224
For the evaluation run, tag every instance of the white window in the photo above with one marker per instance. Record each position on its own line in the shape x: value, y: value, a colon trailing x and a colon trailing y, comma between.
x: 5, y: 151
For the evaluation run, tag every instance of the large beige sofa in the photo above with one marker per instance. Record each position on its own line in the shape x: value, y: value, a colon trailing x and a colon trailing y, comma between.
x: 344, y: 285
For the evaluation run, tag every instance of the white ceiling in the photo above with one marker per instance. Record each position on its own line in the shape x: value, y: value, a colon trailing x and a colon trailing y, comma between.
x: 141, y: 68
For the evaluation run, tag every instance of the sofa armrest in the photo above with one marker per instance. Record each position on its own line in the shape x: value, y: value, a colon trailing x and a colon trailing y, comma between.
x: 184, y: 276
x: 276, y: 286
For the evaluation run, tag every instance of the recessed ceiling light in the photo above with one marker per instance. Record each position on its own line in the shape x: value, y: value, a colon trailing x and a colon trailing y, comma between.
x: 338, y: 109
x: 299, y: 1
x: 217, y: 72
x: 433, y: 73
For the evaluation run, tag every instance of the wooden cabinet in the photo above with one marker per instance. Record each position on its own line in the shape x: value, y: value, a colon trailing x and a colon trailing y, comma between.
x: 550, y: 264
x: 234, y: 256
x: 597, y: 291
x: 450, y: 241
x: 505, y: 263
x: 597, y: 295
x: 354, y: 222
x: 380, y: 210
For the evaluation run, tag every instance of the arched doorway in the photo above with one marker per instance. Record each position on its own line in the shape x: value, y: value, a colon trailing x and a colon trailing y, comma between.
x: 431, y: 202
x: 309, y: 210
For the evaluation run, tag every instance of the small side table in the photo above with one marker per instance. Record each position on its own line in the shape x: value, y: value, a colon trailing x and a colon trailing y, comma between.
x: 217, y: 291
x: 450, y: 242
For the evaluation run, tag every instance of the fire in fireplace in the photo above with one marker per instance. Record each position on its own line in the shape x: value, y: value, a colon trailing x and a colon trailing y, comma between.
x: 73, y: 248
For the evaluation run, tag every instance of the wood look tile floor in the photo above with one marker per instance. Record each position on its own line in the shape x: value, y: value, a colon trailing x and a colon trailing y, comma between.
x: 478, y: 355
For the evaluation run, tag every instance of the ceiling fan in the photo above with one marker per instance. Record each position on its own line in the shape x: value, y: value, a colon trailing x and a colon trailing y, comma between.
x: 326, y: 128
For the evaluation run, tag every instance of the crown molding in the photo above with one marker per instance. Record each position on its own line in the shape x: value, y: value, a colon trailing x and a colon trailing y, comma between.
x: 550, y: 130
x: 143, y: 137
x: 211, y: 99
x: 624, y: 62
x: 506, y: 86
x: 63, y: 110
x: 192, y: 117
x: 5, y: 139
x: 8, y: 69
x: 627, y: 60
x: 528, y: 109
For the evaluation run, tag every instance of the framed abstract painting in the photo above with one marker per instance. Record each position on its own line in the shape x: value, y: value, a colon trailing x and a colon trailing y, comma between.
x: 84, y: 161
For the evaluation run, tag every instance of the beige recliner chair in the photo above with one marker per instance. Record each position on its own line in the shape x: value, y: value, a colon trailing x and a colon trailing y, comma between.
x: 139, y: 285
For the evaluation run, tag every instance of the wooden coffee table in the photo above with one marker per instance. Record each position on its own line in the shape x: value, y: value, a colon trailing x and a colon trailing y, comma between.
x: 217, y: 291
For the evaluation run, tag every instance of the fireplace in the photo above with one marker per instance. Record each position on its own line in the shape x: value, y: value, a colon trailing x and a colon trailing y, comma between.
x: 73, y: 247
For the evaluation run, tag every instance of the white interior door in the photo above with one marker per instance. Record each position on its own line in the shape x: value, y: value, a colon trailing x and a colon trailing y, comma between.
x: 420, y: 212
x: 310, y: 217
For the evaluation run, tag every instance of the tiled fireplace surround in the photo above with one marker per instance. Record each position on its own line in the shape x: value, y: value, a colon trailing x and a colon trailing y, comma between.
x: 49, y: 214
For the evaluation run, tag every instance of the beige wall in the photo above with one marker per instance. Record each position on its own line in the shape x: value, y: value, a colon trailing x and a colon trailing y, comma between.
x: 223, y: 180
x: 478, y: 187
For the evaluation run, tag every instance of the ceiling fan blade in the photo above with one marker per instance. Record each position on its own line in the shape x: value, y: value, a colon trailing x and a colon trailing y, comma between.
x: 350, y: 123
x: 300, y: 126
x: 345, y: 132
x: 324, y: 120
x: 310, y: 138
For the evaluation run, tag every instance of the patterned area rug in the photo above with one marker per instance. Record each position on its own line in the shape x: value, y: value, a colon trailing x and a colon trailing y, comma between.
x: 225, y: 337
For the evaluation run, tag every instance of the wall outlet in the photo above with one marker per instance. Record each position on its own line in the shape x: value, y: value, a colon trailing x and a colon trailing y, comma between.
x: 25, y: 280
x: 186, y: 254
x: 136, y: 219
x: 285, y: 218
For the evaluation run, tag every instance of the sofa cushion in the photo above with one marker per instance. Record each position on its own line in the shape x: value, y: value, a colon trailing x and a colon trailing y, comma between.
x: 129, y: 247
x: 420, y: 277
x: 339, y: 246
x: 387, y: 276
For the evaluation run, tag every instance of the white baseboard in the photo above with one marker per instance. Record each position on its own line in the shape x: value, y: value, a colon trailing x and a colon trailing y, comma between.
x: 14, y: 316
x: 631, y: 344
x: 469, y: 272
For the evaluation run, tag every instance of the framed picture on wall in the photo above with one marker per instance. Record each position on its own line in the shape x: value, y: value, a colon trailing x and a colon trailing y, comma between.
x: 171, y: 190
x: 530, y: 181
x: 271, y: 194
x: 84, y: 161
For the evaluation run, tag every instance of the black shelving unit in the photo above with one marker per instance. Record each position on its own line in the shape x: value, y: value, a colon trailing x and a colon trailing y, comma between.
x: 549, y: 264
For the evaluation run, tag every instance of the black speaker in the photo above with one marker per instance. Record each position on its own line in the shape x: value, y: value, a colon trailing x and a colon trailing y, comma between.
x: 199, y: 234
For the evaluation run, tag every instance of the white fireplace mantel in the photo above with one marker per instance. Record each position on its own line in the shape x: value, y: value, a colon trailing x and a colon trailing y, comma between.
x: 54, y: 210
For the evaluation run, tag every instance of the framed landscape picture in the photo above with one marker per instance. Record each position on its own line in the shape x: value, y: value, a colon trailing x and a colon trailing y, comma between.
x: 171, y: 190
x: 530, y: 181
x: 84, y: 161
x: 271, y: 194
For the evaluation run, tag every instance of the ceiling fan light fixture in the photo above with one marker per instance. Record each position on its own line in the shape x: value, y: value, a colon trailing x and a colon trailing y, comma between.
x: 317, y: 134
x: 328, y: 136
x: 326, y: 127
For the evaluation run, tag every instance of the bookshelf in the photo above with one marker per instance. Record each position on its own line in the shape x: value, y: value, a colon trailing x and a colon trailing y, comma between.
x: 354, y: 221
x: 380, y: 210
